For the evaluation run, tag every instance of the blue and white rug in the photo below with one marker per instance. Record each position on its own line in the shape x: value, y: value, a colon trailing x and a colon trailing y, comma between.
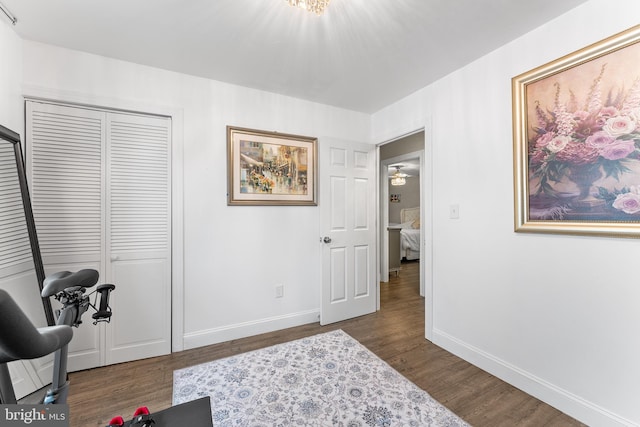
x: 328, y: 379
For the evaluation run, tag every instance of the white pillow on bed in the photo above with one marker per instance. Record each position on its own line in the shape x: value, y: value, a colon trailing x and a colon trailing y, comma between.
x: 408, y: 224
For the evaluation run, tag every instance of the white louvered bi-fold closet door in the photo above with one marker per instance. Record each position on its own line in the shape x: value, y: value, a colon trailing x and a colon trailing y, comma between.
x: 139, y: 236
x: 65, y: 152
x: 101, y: 197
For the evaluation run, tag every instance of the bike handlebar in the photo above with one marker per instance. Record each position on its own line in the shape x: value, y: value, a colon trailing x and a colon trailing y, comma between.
x: 69, y: 289
x: 104, y: 311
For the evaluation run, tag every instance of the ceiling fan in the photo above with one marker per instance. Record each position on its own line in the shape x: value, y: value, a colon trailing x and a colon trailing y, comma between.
x: 398, y: 178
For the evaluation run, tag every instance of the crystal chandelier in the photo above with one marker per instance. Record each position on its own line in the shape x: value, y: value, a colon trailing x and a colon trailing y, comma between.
x: 317, y: 6
x: 398, y: 178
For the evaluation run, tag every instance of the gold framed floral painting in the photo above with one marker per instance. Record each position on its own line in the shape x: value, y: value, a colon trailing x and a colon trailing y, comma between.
x: 270, y: 168
x: 576, y: 132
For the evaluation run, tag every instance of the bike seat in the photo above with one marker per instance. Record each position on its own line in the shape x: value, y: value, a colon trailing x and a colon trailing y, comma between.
x: 65, y: 279
x: 19, y: 339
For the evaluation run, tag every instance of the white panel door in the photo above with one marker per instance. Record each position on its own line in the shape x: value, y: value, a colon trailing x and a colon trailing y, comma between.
x: 139, y: 236
x: 347, y: 216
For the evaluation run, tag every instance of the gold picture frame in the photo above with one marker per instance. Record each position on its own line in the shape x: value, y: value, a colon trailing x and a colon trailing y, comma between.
x: 576, y: 138
x: 271, y: 168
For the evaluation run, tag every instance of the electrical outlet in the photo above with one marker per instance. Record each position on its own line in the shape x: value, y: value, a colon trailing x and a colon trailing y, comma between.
x: 279, y: 291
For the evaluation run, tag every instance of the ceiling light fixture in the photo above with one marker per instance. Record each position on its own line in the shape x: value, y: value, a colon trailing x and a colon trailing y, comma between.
x: 316, y: 6
x: 398, y: 178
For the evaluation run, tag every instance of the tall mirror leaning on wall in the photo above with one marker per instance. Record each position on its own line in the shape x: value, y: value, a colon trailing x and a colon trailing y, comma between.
x: 19, y: 248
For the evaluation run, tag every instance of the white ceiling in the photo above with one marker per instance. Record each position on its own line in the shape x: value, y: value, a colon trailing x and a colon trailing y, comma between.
x: 361, y: 54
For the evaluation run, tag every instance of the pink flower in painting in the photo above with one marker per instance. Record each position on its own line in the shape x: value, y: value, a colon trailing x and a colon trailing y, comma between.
x: 608, y: 112
x: 617, y: 150
x: 600, y: 139
x: 564, y: 121
x: 620, y: 125
x: 558, y: 143
x: 578, y: 153
x: 580, y: 115
x: 628, y: 203
x: 544, y: 139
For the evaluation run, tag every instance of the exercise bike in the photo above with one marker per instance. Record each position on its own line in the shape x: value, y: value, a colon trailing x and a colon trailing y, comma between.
x: 20, y: 339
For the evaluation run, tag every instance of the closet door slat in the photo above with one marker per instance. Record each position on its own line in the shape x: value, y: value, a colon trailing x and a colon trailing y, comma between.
x: 139, y: 183
x: 66, y: 163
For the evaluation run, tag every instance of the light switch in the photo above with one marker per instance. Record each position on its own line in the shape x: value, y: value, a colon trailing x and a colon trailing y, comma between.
x: 454, y: 211
x: 279, y: 290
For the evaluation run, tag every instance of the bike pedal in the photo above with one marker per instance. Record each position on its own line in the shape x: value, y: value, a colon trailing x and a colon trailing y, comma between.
x: 142, y: 410
x: 116, y: 422
x: 142, y: 418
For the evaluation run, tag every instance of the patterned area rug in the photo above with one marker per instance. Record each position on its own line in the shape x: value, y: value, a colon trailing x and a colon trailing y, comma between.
x: 328, y: 379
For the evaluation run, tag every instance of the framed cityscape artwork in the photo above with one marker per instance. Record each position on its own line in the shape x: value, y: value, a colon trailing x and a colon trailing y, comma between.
x: 271, y: 168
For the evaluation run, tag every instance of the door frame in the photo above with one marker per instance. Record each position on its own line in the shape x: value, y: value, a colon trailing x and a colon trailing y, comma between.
x: 426, y: 218
x: 384, y: 213
x: 177, y: 181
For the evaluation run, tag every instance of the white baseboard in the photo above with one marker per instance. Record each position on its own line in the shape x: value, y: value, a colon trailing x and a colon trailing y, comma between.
x: 572, y: 405
x: 247, y: 329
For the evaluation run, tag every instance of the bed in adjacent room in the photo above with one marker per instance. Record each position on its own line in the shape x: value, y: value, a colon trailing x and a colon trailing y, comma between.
x: 410, y: 233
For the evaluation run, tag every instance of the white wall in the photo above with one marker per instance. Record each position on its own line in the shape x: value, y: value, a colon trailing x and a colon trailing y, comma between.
x: 409, y: 197
x: 11, y: 114
x: 233, y: 256
x: 555, y: 315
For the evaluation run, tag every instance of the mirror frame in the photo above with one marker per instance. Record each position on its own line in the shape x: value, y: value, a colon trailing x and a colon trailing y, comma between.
x: 14, y: 138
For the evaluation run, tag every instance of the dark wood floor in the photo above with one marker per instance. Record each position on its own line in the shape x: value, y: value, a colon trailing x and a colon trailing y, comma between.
x: 395, y: 334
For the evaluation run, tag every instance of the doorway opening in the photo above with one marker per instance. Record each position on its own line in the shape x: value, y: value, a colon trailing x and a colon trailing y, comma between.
x: 403, y: 228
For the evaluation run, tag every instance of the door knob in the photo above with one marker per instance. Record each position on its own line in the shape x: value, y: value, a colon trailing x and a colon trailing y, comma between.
x: 327, y: 239
x: 115, y: 258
